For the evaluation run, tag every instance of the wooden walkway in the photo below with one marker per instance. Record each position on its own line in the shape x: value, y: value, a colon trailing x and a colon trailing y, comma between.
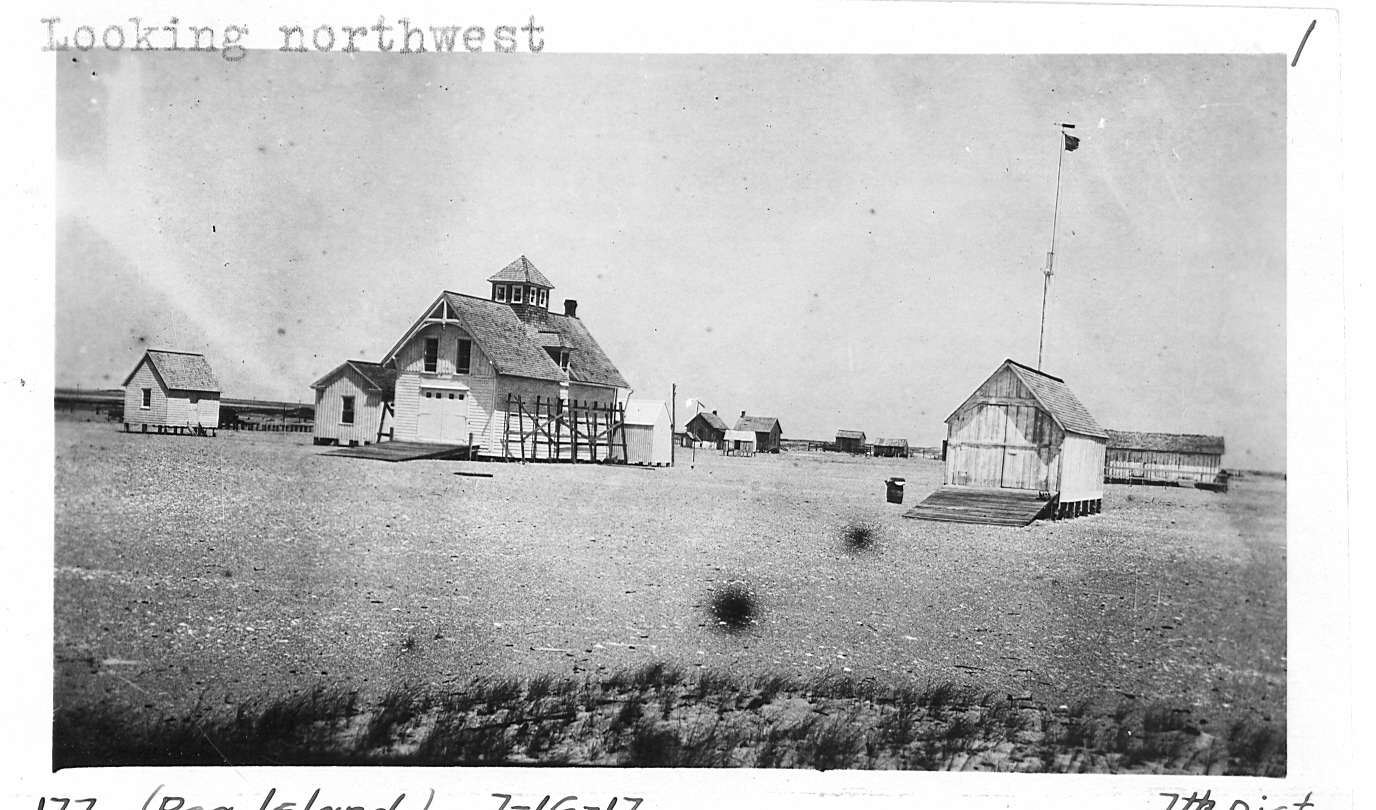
x: 402, y: 451
x: 995, y: 507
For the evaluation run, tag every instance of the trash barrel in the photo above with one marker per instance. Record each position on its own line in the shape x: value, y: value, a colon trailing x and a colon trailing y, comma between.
x: 895, y: 486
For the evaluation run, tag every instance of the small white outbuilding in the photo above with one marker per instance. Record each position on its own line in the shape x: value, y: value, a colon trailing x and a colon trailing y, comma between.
x: 649, y: 437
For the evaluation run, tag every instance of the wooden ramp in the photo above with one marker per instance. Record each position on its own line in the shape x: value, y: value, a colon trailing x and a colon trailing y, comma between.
x: 402, y: 451
x: 996, y: 507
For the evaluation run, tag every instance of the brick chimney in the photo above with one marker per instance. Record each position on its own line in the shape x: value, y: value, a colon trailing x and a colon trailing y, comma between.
x: 570, y: 307
x: 742, y: 414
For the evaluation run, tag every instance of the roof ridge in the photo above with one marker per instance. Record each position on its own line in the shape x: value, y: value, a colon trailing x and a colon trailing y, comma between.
x: 1033, y: 370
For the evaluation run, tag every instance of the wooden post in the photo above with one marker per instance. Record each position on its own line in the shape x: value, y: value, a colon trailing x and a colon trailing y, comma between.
x: 626, y: 453
x: 673, y: 419
x: 592, y: 433
x: 506, y: 430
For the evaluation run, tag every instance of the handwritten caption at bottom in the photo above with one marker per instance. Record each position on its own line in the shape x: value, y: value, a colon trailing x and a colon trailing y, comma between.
x: 1194, y: 801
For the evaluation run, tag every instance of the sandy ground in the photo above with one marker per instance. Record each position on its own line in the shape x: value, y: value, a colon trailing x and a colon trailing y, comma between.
x: 196, y: 570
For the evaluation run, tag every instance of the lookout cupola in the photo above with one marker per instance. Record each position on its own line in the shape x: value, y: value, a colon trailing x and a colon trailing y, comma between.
x: 520, y: 284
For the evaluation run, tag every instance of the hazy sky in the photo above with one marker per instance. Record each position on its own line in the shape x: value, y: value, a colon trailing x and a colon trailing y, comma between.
x: 842, y: 242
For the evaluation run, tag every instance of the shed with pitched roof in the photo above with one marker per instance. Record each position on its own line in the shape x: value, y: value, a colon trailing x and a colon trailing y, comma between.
x: 352, y: 403
x: 170, y: 390
x: 850, y: 441
x: 767, y: 431
x: 1025, y: 430
x: 891, y: 448
x: 706, y: 427
x: 649, y: 438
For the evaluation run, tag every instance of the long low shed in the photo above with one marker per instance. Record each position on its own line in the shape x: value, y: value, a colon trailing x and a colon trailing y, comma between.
x: 1179, y: 458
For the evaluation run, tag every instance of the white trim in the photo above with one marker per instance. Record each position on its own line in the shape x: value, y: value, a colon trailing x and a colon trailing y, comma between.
x: 448, y: 385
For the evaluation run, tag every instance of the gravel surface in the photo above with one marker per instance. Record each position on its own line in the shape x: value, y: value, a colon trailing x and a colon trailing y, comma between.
x: 196, y: 570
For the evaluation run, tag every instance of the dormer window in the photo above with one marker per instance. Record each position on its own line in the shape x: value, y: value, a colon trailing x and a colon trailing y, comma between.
x: 499, y: 293
x: 544, y: 298
x: 516, y: 294
x: 564, y: 361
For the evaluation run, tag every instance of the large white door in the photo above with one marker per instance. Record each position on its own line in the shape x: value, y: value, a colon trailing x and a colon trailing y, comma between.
x: 443, y: 416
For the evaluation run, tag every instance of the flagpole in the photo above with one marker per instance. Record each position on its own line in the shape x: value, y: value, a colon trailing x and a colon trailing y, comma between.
x: 1051, y: 255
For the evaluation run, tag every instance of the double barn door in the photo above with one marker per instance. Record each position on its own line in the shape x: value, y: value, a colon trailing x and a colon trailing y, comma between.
x: 443, y: 416
x: 1003, y: 446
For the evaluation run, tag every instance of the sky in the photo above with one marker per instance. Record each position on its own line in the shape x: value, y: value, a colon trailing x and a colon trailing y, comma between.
x: 843, y: 242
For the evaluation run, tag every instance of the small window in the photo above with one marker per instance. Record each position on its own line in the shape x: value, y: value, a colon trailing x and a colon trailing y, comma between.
x: 499, y: 292
x: 516, y: 294
x: 347, y: 417
x: 451, y: 396
x: 195, y: 399
x: 432, y: 354
x: 564, y: 361
x: 465, y: 356
x: 147, y: 398
x: 544, y: 298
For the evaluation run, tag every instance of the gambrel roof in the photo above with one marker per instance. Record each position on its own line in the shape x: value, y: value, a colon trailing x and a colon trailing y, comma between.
x: 757, y: 424
x: 182, y: 371
x: 1052, y: 394
x: 522, y: 271
x: 378, y: 377
x: 1166, y: 442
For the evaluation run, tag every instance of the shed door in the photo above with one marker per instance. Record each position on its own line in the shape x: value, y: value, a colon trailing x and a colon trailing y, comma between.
x: 443, y: 416
x: 192, y: 409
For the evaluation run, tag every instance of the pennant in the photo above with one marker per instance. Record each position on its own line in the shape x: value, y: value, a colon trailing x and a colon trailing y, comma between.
x: 1071, y: 142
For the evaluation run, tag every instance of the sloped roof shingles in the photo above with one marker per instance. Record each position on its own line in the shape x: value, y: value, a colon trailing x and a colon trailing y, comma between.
x: 756, y: 424
x: 1166, y: 442
x: 711, y: 419
x: 1059, y: 400
x: 522, y: 271
x: 508, y: 344
x: 851, y: 434
x: 181, y: 370
x: 589, y: 364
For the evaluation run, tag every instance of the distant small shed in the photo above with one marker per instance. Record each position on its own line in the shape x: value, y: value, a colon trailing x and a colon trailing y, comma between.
x: 891, y: 448
x: 649, y: 439
x: 739, y: 443
x: 1178, y: 458
x: 850, y: 441
x: 707, y: 428
x: 767, y: 430
x: 353, y: 403
x: 171, y: 391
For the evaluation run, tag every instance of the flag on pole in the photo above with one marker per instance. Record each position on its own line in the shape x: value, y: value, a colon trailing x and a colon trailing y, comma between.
x: 1071, y: 142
